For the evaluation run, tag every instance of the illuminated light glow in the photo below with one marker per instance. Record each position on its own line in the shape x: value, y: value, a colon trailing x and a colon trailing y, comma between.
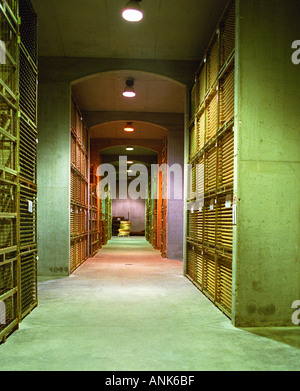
x: 132, y: 11
x: 129, y: 94
x: 132, y: 15
x: 129, y: 127
x: 129, y: 90
x: 129, y: 162
x: 129, y: 148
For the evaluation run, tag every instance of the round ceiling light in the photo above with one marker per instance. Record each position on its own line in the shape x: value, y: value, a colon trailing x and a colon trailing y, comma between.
x: 129, y: 90
x: 129, y: 127
x: 132, y: 11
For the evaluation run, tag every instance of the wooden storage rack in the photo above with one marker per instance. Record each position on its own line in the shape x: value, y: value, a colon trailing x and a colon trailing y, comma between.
x: 164, y: 203
x: 95, y: 226
x: 79, y: 207
x: 211, y: 145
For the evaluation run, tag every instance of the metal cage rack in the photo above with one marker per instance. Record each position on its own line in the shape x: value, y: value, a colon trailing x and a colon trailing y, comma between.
x: 211, y: 141
x: 11, y: 7
x: 9, y: 69
x: 28, y: 77
x: 18, y: 139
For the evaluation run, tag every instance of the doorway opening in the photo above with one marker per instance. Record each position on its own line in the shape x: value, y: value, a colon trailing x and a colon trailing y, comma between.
x: 156, y: 115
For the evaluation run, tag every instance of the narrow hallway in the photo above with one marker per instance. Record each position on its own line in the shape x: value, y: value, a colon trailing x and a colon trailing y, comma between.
x: 129, y: 309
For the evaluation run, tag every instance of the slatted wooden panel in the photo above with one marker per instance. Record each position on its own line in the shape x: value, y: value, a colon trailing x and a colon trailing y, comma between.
x: 228, y: 34
x: 28, y: 216
x: 201, y: 131
x: 200, y: 177
x: 28, y: 150
x: 210, y: 222
x: 226, y: 160
x: 73, y: 254
x: 202, y: 83
x: 93, y: 222
x: 193, y: 179
x: 190, y: 261
x: 29, y: 294
x: 224, y: 287
x: 213, y: 62
x: 212, y: 118
x: 164, y: 201
x: 198, y: 220
x: 209, y: 270
x: 154, y: 224
x: 191, y: 224
x: 193, y: 141
x: 73, y: 149
x: 227, y: 97
x: 198, y: 266
x: 78, y: 190
x: 211, y: 227
x: 224, y: 231
x: 194, y: 103
x: 164, y: 228
x: 210, y: 169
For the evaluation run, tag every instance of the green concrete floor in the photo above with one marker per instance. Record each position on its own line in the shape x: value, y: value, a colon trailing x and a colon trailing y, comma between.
x: 128, y: 309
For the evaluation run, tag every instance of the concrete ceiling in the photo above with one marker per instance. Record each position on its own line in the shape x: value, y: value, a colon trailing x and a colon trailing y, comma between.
x: 153, y: 93
x: 170, y: 30
x: 142, y: 131
x: 120, y: 150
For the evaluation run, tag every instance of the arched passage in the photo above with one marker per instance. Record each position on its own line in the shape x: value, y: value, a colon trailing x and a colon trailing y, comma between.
x: 158, y: 109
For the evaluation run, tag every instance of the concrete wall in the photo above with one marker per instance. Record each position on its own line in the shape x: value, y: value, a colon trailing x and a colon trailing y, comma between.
x: 175, y: 209
x: 136, y: 210
x: 54, y: 179
x: 266, y: 257
x: 75, y: 69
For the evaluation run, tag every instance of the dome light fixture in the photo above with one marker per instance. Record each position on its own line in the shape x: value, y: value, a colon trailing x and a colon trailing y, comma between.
x: 129, y: 90
x: 129, y: 148
x: 132, y: 11
x: 129, y: 127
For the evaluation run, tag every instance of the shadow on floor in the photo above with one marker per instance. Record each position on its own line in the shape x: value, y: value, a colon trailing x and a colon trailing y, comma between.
x: 287, y: 335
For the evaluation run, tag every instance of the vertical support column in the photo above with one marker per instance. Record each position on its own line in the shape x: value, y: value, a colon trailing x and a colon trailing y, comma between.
x: 54, y: 178
x: 266, y: 261
x: 175, y: 206
x: 188, y: 109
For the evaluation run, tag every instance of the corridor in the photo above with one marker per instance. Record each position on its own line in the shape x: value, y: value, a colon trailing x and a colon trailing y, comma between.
x: 129, y: 309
